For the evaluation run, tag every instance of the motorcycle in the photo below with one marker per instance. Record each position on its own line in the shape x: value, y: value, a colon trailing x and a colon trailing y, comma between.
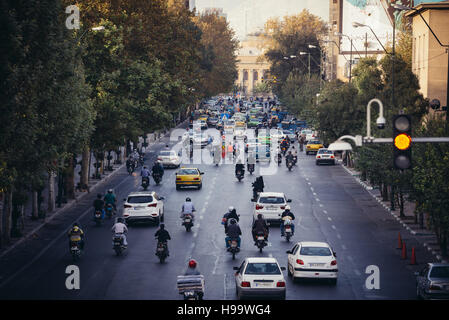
x: 216, y: 158
x: 75, y: 250
x: 289, y: 165
x: 239, y: 175
x: 283, y: 150
x: 118, y: 247
x: 288, y: 232
x: 141, y: 160
x: 130, y: 170
x: 187, y: 222
x: 279, y: 159
x: 145, y: 183
x: 295, y: 160
x: 109, y: 210
x: 157, y: 178
x: 97, y: 217
x: 162, y: 251
x: 233, y: 249
x: 260, y: 241
x: 251, y: 168
x: 191, y: 287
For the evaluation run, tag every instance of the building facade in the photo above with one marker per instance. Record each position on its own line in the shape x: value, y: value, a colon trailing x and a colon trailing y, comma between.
x: 429, y: 58
x: 251, y: 65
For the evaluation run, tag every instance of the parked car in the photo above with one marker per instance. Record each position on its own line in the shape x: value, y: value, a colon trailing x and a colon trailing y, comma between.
x: 432, y: 282
x: 260, y: 277
x: 314, y: 260
x: 145, y: 206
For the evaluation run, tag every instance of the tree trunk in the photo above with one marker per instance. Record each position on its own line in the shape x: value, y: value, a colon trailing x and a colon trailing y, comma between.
x: 385, y: 192
x: 35, y: 208
x: 8, y: 217
x: 401, y: 203
x: 51, y: 192
x: 84, y: 179
x: 2, y: 208
x: 69, y: 185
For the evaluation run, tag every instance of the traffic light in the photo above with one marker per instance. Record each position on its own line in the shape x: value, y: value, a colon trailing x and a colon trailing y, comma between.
x: 402, y: 141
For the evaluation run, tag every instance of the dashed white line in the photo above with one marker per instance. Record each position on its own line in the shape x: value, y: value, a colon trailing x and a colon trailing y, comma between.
x: 329, y: 218
x: 325, y: 211
x: 314, y: 194
x: 357, y: 272
x: 317, y: 199
x: 321, y: 205
x: 338, y: 236
x: 343, y: 246
x: 333, y: 227
x: 311, y: 188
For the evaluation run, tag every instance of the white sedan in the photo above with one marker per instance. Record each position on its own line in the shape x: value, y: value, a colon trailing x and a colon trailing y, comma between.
x: 169, y: 159
x: 314, y: 260
x: 270, y: 205
x: 145, y: 206
x: 260, y: 277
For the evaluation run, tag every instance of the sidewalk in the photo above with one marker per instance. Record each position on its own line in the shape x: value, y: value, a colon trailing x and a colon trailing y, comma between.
x: 424, y: 236
x: 33, y: 226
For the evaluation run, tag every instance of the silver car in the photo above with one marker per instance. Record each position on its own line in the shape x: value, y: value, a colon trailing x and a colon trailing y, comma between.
x: 432, y: 282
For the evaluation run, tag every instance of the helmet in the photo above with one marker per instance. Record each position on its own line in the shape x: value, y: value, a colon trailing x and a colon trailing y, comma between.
x: 145, y: 167
x: 120, y: 220
x: 287, y: 207
x: 76, y: 225
x: 188, y: 199
x: 162, y: 226
x: 192, y: 263
x: 110, y: 191
x: 259, y: 216
x: 99, y: 196
x: 231, y: 208
x: 233, y: 221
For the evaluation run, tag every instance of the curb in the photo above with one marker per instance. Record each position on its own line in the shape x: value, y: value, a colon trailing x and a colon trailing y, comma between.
x: 398, y: 219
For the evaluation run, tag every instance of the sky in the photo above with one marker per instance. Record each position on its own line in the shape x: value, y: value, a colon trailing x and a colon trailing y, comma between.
x: 258, y: 11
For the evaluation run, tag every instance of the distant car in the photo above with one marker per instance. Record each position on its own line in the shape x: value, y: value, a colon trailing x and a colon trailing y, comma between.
x: 313, y: 146
x: 200, y: 139
x: 277, y: 134
x: 432, y: 282
x: 169, y: 159
x: 314, y: 260
x: 212, y: 121
x: 143, y: 207
x: 290, y: 134
x: 260, y: 277
x: 187, y: 177
x: 324, y: 156
x: 270, y: 205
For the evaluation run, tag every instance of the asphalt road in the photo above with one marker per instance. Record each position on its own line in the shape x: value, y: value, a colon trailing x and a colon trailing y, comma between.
x: 328, y: 203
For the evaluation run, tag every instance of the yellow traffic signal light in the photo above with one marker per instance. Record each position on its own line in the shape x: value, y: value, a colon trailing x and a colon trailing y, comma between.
x: 402, y: 141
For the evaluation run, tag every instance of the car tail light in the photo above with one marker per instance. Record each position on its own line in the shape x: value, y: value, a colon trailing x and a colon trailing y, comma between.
x: 280, y: 284
x: 160, y: 159
x: 318, y: 157
x: 152, y: 205
x: 332, y: 157
x: 334, y: 263
x: 299, y: 261
x: 127, y: 206
x: 245, y: 284
x: 125, y: 215
x: 282, y: 207
x: 258, y: 207
x: 178, y: 179
x: 196, y: 178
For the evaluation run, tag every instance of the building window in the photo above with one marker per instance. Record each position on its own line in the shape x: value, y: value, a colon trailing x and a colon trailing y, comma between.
x: 256, y: 75
x: 245, y: 75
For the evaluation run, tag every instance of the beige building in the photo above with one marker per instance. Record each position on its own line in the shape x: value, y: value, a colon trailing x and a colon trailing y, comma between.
x: 430, y: 59
x: 251, y: 65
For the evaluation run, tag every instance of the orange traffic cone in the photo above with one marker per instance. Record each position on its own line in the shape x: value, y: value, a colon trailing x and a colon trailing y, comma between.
x: 399, y: 241
x: 413, y: 260
x: 404, y: 251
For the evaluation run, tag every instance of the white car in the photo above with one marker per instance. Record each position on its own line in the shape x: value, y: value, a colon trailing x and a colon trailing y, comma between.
x: 270, y: 205
x: 169, y: 159
x: 324, y: 156
x: 314, y: 260
x: 260, y: 277
x: 144, y: 206
x: 200, y: 139
x: 277, y: 134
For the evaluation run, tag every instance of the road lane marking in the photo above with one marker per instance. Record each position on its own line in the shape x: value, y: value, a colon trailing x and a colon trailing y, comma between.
x: 311, y: 188
x: 325, y: 211
x: 321, y: 205
x: 343, y: 246
x: 333, y: 227
x: 329, y: 218
x: 314, y: 194
x: 317, y: 199
x: 338, y: 236
x: 357, y: 272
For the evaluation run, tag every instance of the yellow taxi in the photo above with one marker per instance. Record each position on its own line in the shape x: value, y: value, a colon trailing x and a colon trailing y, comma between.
x: 203, y: 117
x: 186, y: 177
x: 313, y: 146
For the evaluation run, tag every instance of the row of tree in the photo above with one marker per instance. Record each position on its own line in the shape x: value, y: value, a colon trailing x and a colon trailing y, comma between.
x: 338, y: 108
x: 69, y: 92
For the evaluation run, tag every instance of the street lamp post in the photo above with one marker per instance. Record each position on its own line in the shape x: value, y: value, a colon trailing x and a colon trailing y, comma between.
x: 303, y: 53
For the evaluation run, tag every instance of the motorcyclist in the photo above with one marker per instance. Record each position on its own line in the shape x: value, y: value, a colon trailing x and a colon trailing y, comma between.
x: 110, y: 198
x: 239, y: 166
x: 258, y: 186
x: 130, y: 164
x: 294, y: 154
x: 145, y: 174
x: 188, y: 208
x: 162, y: 235
x: 233, y: 232
x: 231, y: 214
x: 284, y: 144
x: 192, y: 269
x: 99, y: 205
x: 158, y: 168
x: 289, y: 157
x: 285, y: 214
x: 259, y: 226
x: 120, y: 228
x: 76, y: 234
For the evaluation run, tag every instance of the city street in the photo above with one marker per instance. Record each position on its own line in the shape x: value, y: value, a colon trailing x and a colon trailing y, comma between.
x: 329, y: 206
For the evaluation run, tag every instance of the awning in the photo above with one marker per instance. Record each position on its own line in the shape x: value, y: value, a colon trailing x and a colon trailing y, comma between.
x: 339, y: 146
